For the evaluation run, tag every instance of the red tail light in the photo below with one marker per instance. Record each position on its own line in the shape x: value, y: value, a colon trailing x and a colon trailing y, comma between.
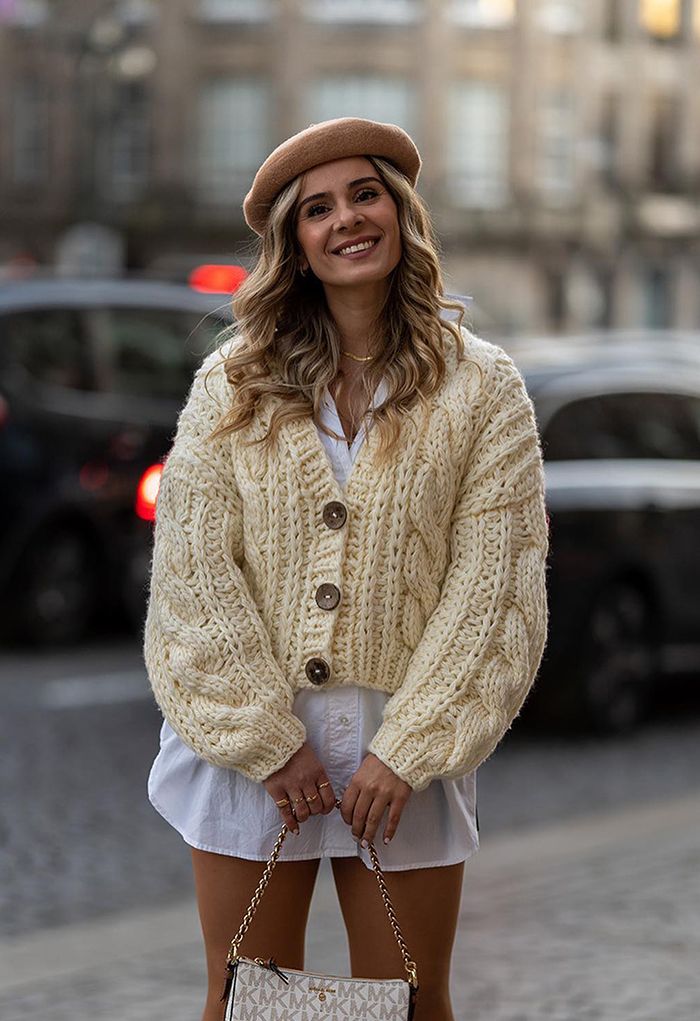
x: 214, y: 279
x: 147, y: 492
x: 4, y: 411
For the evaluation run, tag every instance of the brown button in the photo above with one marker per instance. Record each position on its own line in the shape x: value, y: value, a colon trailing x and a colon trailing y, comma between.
x: 317, y: 670
x: 327, y: 596
x: 334, y: 514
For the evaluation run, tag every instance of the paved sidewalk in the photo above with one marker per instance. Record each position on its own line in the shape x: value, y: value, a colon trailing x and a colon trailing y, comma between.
x: 593, y: 920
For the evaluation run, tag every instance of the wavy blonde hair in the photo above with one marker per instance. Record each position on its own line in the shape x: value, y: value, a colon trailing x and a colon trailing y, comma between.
x: 287, y: 344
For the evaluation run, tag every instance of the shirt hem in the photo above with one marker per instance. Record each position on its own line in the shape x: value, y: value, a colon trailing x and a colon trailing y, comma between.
x: 326, y: 852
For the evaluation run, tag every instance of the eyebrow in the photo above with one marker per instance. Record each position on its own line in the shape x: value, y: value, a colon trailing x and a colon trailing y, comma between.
x: 351, y: 184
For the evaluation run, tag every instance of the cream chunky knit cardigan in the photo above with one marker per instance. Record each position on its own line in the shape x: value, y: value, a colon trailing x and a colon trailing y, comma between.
x: 439, y: 560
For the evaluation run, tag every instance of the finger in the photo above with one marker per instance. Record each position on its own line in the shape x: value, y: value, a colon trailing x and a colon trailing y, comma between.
x: 327, y: 795
x: 299, y: 805
x: 286, y: 812
x: 392, y: 822
x: 347, y: 805
x: 374, y: 817
x: 314, y: 801
x: 360, y: 813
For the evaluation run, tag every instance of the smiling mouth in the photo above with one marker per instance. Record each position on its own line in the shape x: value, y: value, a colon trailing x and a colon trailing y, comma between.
x: 363, y: 246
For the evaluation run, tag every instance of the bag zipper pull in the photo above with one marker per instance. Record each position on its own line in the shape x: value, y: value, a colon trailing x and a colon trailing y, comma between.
x: 272, y: 965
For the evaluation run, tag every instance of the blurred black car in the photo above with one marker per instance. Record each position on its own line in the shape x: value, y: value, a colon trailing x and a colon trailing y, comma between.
x: 620, y: 422
x: 92, y: 375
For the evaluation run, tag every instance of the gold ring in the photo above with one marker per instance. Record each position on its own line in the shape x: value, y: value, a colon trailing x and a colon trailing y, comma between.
x: 285, y: 802
x: 326, y: 783
x: 297, y: 800
x: 312, y: 798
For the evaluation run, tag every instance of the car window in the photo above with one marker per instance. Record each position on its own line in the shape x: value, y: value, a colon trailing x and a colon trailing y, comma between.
x: 150, y: 352
x: 625, y: 425
x: 47, y: 345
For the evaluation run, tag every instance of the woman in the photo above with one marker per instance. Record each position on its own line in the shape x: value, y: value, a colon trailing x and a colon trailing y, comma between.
x: 347, y: 594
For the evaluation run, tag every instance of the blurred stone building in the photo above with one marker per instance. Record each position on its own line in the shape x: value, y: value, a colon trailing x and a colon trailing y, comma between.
x: 561, y: 138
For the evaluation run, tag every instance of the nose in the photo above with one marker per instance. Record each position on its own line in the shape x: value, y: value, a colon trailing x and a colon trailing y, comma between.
x: 347, y: 215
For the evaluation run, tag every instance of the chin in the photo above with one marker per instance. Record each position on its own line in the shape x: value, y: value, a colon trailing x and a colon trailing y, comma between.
x: 361, y: 276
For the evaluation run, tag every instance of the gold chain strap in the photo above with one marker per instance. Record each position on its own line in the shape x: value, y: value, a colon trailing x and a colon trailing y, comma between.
x: 408, y: 964
x: 233, y: 953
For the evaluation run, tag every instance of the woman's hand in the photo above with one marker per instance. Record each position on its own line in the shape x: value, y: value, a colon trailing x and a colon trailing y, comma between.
x: 302, y: 777
x: 374, y: 787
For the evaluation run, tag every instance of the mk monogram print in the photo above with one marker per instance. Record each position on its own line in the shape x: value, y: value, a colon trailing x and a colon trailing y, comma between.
x: 258, y: 994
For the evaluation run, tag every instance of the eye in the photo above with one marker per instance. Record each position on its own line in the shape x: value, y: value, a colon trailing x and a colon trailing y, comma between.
x: 365, y: 193
x: 316, y: 209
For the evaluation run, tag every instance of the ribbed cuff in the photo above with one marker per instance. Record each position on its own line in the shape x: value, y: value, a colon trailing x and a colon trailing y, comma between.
x: 287, y: 735
x: 404, y: 753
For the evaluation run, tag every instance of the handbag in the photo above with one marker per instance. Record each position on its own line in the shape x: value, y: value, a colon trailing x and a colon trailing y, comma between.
x: 259, y: 990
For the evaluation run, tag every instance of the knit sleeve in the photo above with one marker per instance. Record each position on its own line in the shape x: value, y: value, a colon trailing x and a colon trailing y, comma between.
x: 481, y: 647
x: 208, y: 654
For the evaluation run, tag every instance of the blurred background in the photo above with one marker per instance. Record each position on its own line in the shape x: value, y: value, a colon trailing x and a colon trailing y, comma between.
x: 561, y: 148
x: 561, y: 139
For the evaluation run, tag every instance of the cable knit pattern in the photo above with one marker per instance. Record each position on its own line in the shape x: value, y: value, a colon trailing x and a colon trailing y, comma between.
x: 440, y: 565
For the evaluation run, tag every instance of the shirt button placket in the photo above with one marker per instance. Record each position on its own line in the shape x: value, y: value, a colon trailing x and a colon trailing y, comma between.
x: 342, y: 744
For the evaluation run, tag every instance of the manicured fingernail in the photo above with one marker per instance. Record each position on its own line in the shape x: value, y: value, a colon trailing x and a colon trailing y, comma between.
x: 387, y: 839
x: 364, y: 843
x: 295, y: 832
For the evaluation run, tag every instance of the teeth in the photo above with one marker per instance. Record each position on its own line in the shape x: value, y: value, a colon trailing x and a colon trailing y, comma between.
x: 357, y: 248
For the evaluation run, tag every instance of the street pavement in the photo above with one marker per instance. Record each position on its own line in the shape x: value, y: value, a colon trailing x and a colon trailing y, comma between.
x: 594, y: 918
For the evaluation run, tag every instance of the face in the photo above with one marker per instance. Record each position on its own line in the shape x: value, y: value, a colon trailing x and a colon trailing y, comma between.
x: 347, y: 225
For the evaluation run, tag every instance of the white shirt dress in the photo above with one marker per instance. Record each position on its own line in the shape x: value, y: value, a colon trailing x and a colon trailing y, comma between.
x: 221, y: 810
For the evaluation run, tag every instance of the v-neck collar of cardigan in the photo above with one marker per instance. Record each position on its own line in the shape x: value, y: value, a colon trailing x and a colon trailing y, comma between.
x: 311, y: 457
x: 310, y: 445
x: 330, y: 417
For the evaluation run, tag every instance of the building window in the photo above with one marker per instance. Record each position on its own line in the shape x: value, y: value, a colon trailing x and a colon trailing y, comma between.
x: 613, y: 21
x: 30, y: 132
x: 560, y: 17
x: 483, y: 13
x: 234, y: 137
x: 123, y: 164
x: 377, y: 97
x: 390, y: 12
x: 664, y: 173
x: 557, y: 147
x: 235, y: 10
x: 609, y: 139
x: 662, y: 19
x: 556, y: 298
x: 477, y: 145
x: 603, y: 316
x: 658, y: 298
x: 25, y: 13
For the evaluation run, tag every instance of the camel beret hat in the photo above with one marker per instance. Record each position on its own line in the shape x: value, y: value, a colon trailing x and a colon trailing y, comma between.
x: 321, y: 143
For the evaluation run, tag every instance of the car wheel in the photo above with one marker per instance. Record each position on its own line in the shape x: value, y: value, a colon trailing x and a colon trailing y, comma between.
x: 616, y: 668
x: 55, y: 591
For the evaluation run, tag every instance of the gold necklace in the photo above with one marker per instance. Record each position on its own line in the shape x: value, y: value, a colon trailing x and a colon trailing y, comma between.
x: 358, y: 358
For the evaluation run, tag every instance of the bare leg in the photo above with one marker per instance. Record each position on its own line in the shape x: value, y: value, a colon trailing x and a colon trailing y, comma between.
x: 427, y: 904
x: 224, y: 886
